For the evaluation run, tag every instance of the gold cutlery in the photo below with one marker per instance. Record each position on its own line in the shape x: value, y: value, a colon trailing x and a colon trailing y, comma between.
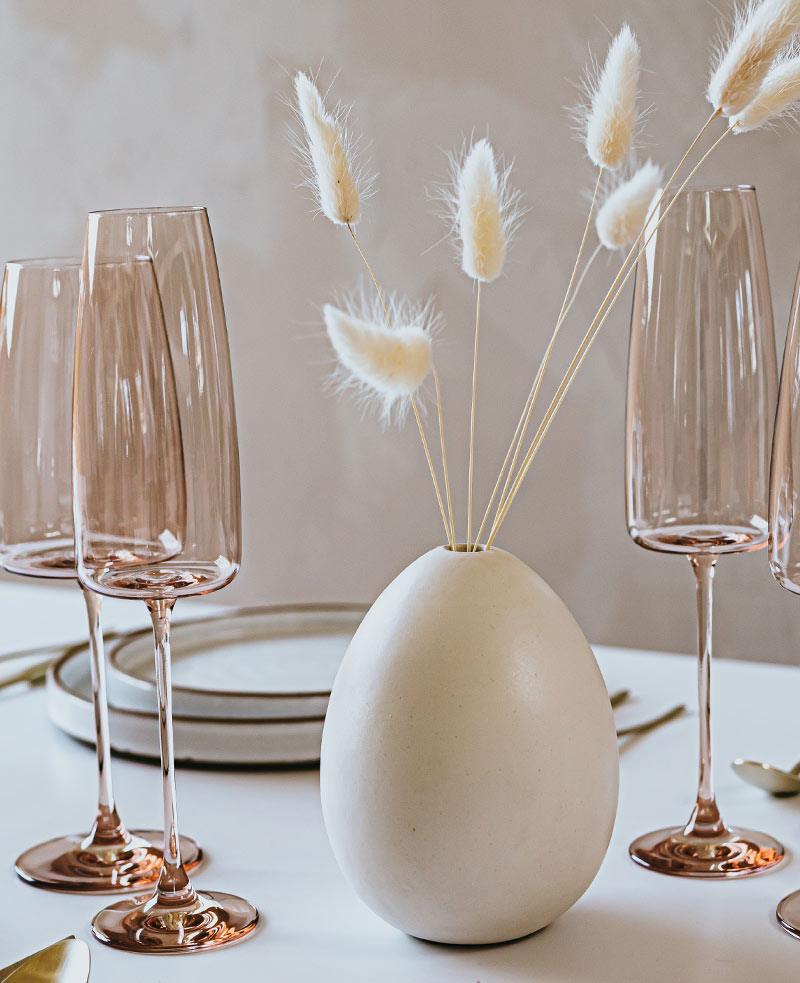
x: 68, y: 961
x: 649, y: 725
x: 37, y: 672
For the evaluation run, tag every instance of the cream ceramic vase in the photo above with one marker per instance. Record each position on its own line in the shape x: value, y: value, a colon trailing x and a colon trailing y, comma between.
x: 469, y: 769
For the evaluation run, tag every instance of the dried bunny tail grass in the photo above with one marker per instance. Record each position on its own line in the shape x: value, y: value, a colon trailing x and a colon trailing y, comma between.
x: 622, y: 215
x: 384, y: 365
x: 610, y: 117
x: 480, y: 216
x: 760, y: 32
x: 330, y: 155
x: 778, y: 97
x: 447, y: 197
x: 481, y: 208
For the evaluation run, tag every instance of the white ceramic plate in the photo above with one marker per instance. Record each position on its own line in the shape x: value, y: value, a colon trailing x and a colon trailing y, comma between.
x: 241, y: 738
x: 256, y: 662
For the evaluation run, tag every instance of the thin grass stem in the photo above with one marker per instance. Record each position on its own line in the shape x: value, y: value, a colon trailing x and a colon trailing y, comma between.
x: 433, y: 472
x: 513, y: 443
x: 537, y: 382
x: 374, y: 278
x: 654, y: 208
x: 528, y: 410
x: 450, y: 539
x: 586, y: 228
x: 500, y: 476
x: 595, y: 253
x: 472, y: 417
x: 444, y: 459
x: 594, y: 328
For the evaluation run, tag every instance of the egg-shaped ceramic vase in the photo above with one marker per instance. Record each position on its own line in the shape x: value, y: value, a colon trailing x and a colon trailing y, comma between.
x: 469, y: 770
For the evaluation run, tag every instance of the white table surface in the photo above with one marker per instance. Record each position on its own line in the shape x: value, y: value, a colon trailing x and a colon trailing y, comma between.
x: 264, y: 838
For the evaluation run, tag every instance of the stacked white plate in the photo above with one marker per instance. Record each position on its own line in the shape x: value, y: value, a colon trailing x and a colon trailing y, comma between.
x: 249, y: 687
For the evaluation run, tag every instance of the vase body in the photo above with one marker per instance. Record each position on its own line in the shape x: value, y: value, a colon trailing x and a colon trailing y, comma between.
x: 469, y: 771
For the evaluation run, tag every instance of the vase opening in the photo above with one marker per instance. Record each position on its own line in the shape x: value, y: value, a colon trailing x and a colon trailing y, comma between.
x: 462, y: 548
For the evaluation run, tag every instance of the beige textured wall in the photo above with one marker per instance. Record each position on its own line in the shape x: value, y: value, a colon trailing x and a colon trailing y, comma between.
x: 107, y: 103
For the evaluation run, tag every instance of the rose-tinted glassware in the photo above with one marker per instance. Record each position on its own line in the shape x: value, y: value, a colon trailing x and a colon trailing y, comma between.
x: 702, y: 384
x: 784, y: 505
x: 156, y: 486
x: 38, y: 315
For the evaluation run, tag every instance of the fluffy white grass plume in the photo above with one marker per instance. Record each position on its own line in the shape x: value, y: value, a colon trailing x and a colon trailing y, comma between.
x: 485, y: 210
x: 611, y: 115
x: 761, y: 31
x: 622, y: 215
x: 328, y: 155
x: 382, y: 363
x: 778, y: 96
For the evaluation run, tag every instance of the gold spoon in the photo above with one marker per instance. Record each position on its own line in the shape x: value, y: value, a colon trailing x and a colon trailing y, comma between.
x: 68, y: 961
x: 776, y: 781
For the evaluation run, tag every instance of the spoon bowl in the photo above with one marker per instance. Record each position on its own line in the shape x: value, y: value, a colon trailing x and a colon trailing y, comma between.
x: 776, y: 781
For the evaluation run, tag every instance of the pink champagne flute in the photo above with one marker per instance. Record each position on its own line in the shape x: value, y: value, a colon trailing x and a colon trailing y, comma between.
x: 702, y: 385
x: 156, y: 491
x: 38, y: 316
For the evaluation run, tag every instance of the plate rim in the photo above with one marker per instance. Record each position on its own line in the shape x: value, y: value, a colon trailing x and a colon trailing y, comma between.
x: 76, y: 712
x: 55, y: 679
x: 341, y: 607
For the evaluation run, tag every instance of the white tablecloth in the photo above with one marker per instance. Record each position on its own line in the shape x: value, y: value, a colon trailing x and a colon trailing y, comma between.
x: 264, y: 839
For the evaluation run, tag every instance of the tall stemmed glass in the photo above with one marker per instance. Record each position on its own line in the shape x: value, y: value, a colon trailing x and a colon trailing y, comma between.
x: 156, y: 486
x: 784, y: 507
x: 702, y: 382
x: 38, y: 315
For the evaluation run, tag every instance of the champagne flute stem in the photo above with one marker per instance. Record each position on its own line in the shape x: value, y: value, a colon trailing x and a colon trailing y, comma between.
x: 108, y: 830
x: 705, y: 820
x: 174, y: 887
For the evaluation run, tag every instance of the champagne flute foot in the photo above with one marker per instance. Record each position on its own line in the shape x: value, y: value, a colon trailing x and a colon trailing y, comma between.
x: 211, y: 921
x: 735, y: 853
x: 67, y: 864
x: 788, y: 914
